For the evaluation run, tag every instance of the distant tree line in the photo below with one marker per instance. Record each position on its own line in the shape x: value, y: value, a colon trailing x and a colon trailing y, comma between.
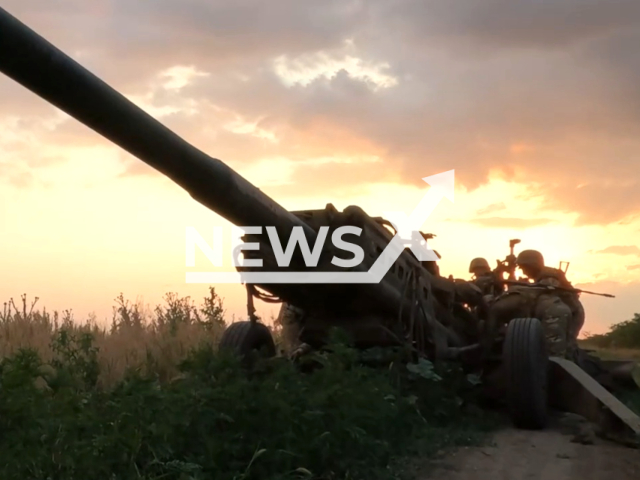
x: 621, y: 335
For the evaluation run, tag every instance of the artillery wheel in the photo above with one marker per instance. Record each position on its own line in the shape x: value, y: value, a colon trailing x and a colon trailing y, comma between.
x: 246, y: 337
x: 526, y: 373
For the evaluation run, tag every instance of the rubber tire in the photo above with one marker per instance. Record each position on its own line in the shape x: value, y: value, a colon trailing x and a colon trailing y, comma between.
x: 245, y: 337
x: 526, y: 366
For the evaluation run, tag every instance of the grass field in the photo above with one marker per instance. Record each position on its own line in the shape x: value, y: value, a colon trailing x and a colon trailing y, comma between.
x: 150, y: 397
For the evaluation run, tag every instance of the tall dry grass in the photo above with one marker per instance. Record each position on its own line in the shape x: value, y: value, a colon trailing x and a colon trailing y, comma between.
x: 138, y: 338
x: 214, y: 420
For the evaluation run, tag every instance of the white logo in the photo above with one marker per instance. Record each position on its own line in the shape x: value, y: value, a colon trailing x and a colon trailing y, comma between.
x: 408, y: 234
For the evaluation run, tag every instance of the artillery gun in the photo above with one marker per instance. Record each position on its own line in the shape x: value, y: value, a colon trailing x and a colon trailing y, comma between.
x: 370, y: 311
x: 411, y: 305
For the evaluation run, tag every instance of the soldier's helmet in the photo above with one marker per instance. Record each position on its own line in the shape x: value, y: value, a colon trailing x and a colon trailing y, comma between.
x: 479, y: 263
x: 530, y: 258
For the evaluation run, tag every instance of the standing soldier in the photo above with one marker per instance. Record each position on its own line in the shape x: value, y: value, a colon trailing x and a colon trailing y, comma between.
x: 561, y: 312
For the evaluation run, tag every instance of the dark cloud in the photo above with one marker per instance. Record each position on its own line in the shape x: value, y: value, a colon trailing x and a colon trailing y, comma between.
x: 126, y: 42
x: 546, y: 92
x: 620, y: 250
x: 508, y: 25
x: 512, y: 223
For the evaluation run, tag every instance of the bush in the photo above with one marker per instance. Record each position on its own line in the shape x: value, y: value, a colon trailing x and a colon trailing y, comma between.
x: 621, y: 335
x: 210, y: 418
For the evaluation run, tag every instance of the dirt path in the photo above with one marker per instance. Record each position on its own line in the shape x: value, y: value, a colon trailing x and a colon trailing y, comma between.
x: 554, y: 454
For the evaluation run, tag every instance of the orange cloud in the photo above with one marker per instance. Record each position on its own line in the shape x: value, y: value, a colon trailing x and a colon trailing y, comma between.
x: 518, y: 148
x: 511, y: 222
x: 494, y: 207
x: 620, y: 250
x: 346, y: 86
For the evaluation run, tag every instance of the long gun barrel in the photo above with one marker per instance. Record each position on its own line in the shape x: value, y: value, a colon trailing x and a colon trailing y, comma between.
x: 36, y: 64
x: 39, y: 66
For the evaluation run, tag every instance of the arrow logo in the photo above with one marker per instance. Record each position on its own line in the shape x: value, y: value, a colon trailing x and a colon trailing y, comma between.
x: 408, y: 233
x: 408, y: 228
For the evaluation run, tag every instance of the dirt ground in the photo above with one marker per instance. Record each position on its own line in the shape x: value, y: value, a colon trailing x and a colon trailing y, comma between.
x: 567, y: 450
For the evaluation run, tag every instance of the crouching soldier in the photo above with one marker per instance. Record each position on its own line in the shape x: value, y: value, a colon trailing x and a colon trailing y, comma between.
x: 560, y: 312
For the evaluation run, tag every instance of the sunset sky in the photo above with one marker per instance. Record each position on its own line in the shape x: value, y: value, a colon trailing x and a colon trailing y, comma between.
x: 535, y: 105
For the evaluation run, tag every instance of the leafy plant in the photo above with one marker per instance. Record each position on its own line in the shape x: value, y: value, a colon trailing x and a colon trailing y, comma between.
x: 207, y: 416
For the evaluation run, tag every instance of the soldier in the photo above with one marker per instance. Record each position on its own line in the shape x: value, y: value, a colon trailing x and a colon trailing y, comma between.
x: 561, y: 313
x: 482, y: 275
x: 479, y: 266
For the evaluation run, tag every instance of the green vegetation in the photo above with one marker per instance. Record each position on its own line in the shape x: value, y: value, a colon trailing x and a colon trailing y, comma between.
x: 623, y: 335
x: 622, y: 341
x: 151, y: 398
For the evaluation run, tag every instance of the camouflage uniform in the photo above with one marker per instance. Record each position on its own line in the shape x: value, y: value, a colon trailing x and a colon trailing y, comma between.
x: 553, y: 308
x: 517, y: 302
x: 555, y: 316
x: 557, y: 278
